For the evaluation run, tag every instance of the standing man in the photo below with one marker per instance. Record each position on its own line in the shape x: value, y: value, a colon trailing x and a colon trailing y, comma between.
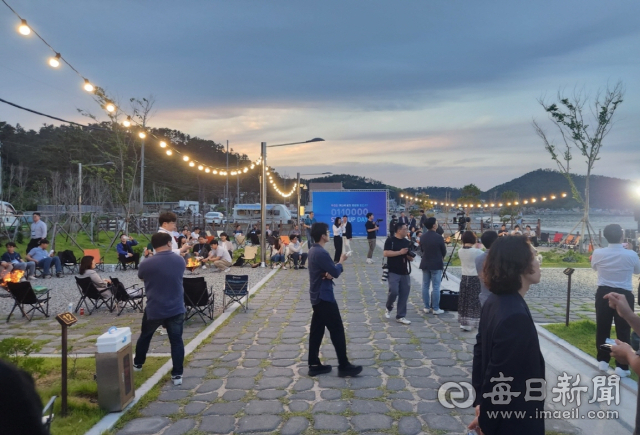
x: 125, y: 251
x: 372, y: 229
x: 423, y: 220
x: 403, y: 219
x: 326, y: 313
x: 308, y: 223
x: 45, y: 259
x: 396, y: 249
x: 38, y: 232
x: 347, y: 235
x: 162, y: 275
x: 615, y: 266
x: 412, y: 225
x: 432, y: 265
x: 167, y: 222
x: 487, y: 239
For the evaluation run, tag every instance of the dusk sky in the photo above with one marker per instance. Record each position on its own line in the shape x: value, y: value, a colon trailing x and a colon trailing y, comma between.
x: 412, y: 93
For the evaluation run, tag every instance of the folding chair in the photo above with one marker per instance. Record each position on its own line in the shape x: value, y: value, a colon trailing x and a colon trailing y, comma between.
x: 574, y: 243
x: 48, y: 418
x: 88, y: 290
x: 240, y: 240
x: 121, y: 295
x: 568, y: 241
x: 557, y: 239
x: 544, y: 238
x: 70, y: 264
x: 250, y: 254
x: 23, y: 294
x: 285, y: 240
x: 197, y: 298
x: 97, y: 258
x: 236, y: 287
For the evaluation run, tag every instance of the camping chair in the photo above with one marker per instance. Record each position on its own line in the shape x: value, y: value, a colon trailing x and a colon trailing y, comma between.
x: 121, y: 295
x: 544, y: 238
x: 574, y: 243
x: 23, y: 294
x: 240, y: 240
x: 568, y: 241
x: 97, y: 258
x: 236, y: 287
x: 557, y: 239
x: 197, y: 298
x: 88, y: 290
x: 250, y: 255
x: 285, y: 240
x: 68, y: 261
x: 47, y: 414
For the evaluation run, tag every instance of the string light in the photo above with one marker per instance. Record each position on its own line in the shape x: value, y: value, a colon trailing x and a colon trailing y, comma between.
x: 55, y: 61
x: 200, y: 167
x: 163, y: 144
x: 88, y: 86
x: 142, y: 135
x: 169, y: 152
x: 127, y: 122
x: 185, y: 158
x: 110, y: 107
x: 24, y: 28
x: 207, y: 170
x: 192, y: 164
x: 526, y: 201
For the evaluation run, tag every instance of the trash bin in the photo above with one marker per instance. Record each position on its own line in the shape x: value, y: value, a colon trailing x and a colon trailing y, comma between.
x: 114, y: 369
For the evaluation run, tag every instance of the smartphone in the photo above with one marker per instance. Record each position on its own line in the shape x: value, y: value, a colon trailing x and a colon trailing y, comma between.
x: 606, y: 347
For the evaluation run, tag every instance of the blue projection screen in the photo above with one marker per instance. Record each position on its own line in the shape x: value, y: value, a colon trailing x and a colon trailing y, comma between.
x: 327, y: 205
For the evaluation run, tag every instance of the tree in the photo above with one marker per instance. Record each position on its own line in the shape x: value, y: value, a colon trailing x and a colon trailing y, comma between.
x: 511, y: 205
x: 470, y: 195
x: 569, y: 117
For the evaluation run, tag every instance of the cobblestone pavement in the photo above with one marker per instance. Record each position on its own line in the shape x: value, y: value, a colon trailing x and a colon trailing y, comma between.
x: 251, y: 376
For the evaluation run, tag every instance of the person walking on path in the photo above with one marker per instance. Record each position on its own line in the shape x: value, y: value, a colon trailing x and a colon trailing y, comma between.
x: 372, y: 232
x: 162, y: 275
x: 38, y: 232
x: 615, y: 266
x: 396, y: 249
x: 347, y: 233
x: 469, y: 302
x: 337, y: 239
x: 487, y: 239
x: 307, y: 224
x: 432, y: 265
x: 507, y: 344
x: 326, y: 313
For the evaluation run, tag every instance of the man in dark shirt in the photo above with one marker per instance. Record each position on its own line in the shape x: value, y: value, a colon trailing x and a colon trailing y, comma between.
x: 326, y: 313
x: 125, y: 251
x: 202, y: 248
x: 503, y: 231
x: 433, y: 252
x: 162, y: 275
x: 423, y: 220
x: 372, y: 230
x: 396, y: 249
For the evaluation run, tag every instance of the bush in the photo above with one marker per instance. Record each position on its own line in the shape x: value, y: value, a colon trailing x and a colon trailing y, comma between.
x: 17, y: 351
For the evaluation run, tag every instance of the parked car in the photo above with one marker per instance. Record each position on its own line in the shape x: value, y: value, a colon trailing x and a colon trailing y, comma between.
x: 180, y: 211
x: 214, y: 217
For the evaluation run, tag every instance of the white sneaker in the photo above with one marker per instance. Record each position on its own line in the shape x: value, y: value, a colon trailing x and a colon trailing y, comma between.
x: 284, y: 267
x: 426, y: 310
x: 403, y: 321
x: 227, y: 270
x: 369, y: 261
x: 622, y: 373
x: 603, y: 366
x: 177, y: 380
x: 31, y: 278
x: 137, y: 368
x: 204, y: 267
x: 466, y: 328
x: 387, y: 314
x: 160, y: 330
x: 437, y: 311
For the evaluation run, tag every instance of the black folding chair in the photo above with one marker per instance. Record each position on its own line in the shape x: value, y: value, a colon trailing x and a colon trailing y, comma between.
x: 23, y: 294
x: 88, y: 290
x: 122, y: 296
x: 236, y: 287
x: 47, y: 414
x: 544, y: 238
x: 197, y: 298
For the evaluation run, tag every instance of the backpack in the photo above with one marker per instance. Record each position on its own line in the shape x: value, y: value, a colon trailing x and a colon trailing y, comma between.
x: 239, y: 261
x: 67, y: 257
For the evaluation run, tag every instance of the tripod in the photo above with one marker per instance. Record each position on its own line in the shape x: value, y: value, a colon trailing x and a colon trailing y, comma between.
x: 455, y: 243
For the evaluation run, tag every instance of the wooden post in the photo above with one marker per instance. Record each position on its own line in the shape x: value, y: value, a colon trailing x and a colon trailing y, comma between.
x: 64, y: 371
x: 568, y: 271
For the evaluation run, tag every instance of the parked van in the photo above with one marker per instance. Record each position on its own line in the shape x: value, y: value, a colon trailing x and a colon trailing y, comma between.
x: 276, y: 213
x: 8, y: 215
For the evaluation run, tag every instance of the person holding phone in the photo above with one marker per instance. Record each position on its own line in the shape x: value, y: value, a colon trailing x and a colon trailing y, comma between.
x: 45, y: 259
x: 396, y: 250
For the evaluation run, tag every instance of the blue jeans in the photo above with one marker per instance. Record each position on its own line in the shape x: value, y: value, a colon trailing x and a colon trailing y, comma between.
x: 46, y: 263
x: 174, y: 331
x: 278, y: 258
x: 434, y: 278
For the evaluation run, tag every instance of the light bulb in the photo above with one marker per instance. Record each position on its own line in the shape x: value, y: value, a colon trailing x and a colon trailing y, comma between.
x: 88, y: 86
x: 526, y: 202
x: 169, y: 152
x: 142, y: 135
x: 127, y: 122
x: 253, y: 166
x: 110, y: 107
x: 185, y: 158
x: 500, y: 205
x: 55, y: 61
x: 516, y: 203
x: 163, y: 144
x: 24, y: 28
x: 533, y: 200
x: 544, y: 199
x: 493, y: 205
x: 215, y: 172
x: 192, y: 164
x: 245, y: 170
x: 200, y: 167
x: 564, y: 195
x: 553, y: 197
x: 207, y: 170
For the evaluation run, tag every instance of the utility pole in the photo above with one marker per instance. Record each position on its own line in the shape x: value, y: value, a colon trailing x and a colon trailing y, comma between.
x: 0, y: 170
x: 227, y: 188
x: 298, y: 194
x: 238, y: 180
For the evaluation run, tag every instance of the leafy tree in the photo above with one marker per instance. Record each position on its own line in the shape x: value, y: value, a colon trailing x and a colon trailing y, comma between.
x: 509, y: 206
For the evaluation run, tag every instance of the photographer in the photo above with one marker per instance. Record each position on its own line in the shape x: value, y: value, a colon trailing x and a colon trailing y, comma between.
x: 372, y: 229
x: 396, y: 249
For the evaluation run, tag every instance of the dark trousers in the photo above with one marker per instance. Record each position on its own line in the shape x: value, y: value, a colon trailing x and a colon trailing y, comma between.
x: 33, y: 243
x: 327, y: 314
x: 337, y: 242
x: 604, y: 316
x: 299, y: 258
x: 174, y: 331
x: 133, y: 259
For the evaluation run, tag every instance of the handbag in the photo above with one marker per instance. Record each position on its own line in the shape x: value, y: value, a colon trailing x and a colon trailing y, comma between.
x: 449, y: 300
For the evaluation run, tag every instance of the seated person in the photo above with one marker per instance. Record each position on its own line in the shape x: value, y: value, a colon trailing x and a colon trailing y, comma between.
x: 148, y: 251
x: 87, y: 270
x: 182, y: 242
x: 125, y: 251
x: 226, y: 243
x: 14, y: 258
x: 503, y: 231
x: 276, y: 232
x: 220, y: 257
x: 268, y: 231
x: 295, y: 231
x: 254, y: 234
x: 238, y: 230
x: 295, y: 248
x: 196, y: 233
x: 516, y: 231
x: 201, y: 250
x: 45, y: 259
x: 277, y: 254
x: 186, y: 234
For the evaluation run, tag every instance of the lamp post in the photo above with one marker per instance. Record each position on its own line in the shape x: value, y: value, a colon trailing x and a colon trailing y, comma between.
x: 298, y: 190
x: 263, y: 193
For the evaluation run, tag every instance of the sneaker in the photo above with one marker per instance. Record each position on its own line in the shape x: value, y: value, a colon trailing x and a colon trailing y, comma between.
x: 204, y: 267
x: 177, y: 380
x: 295, y: 267
x: 437, y: 311
x: 284, y: 267
x: 227, y: 270
x: 403, y: 321
x: 59, y: 275
x: 369, y: 261
x: 349, y: 370
x: 466, y: 328
x: 137, y: 367
x: 603, y: 366
x: 302, y: 267
x: 319, y: 369
x: 161, y: 330
x: 426, y: 310
x: 31, y: 278
x: 47, y: 276
x: 387, y: 314
x: 622, y: 373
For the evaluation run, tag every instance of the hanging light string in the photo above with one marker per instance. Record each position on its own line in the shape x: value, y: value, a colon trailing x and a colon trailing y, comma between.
x: 112, y: 110
x: 275, y: 186
x: 480, y: 205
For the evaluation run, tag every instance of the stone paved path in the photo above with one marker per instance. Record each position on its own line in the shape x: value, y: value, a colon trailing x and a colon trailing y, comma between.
x: 251, y: 376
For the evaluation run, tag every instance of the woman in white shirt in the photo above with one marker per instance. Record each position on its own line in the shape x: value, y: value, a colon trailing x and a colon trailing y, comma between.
x: 338, y: 228
x: 469, y: 299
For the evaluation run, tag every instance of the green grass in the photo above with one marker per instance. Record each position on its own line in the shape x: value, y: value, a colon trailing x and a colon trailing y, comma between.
x: 582, y: 334
x: 82, y: 392
x: 555, y: 258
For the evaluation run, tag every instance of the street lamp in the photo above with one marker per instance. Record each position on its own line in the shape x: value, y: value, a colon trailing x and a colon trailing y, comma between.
x: 299, y: 190
x: 263, y: 193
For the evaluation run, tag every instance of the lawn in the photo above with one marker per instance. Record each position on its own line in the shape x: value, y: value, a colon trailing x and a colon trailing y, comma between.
x: 582, y: 334
x: 553, y: 258
x: 82, y: 392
